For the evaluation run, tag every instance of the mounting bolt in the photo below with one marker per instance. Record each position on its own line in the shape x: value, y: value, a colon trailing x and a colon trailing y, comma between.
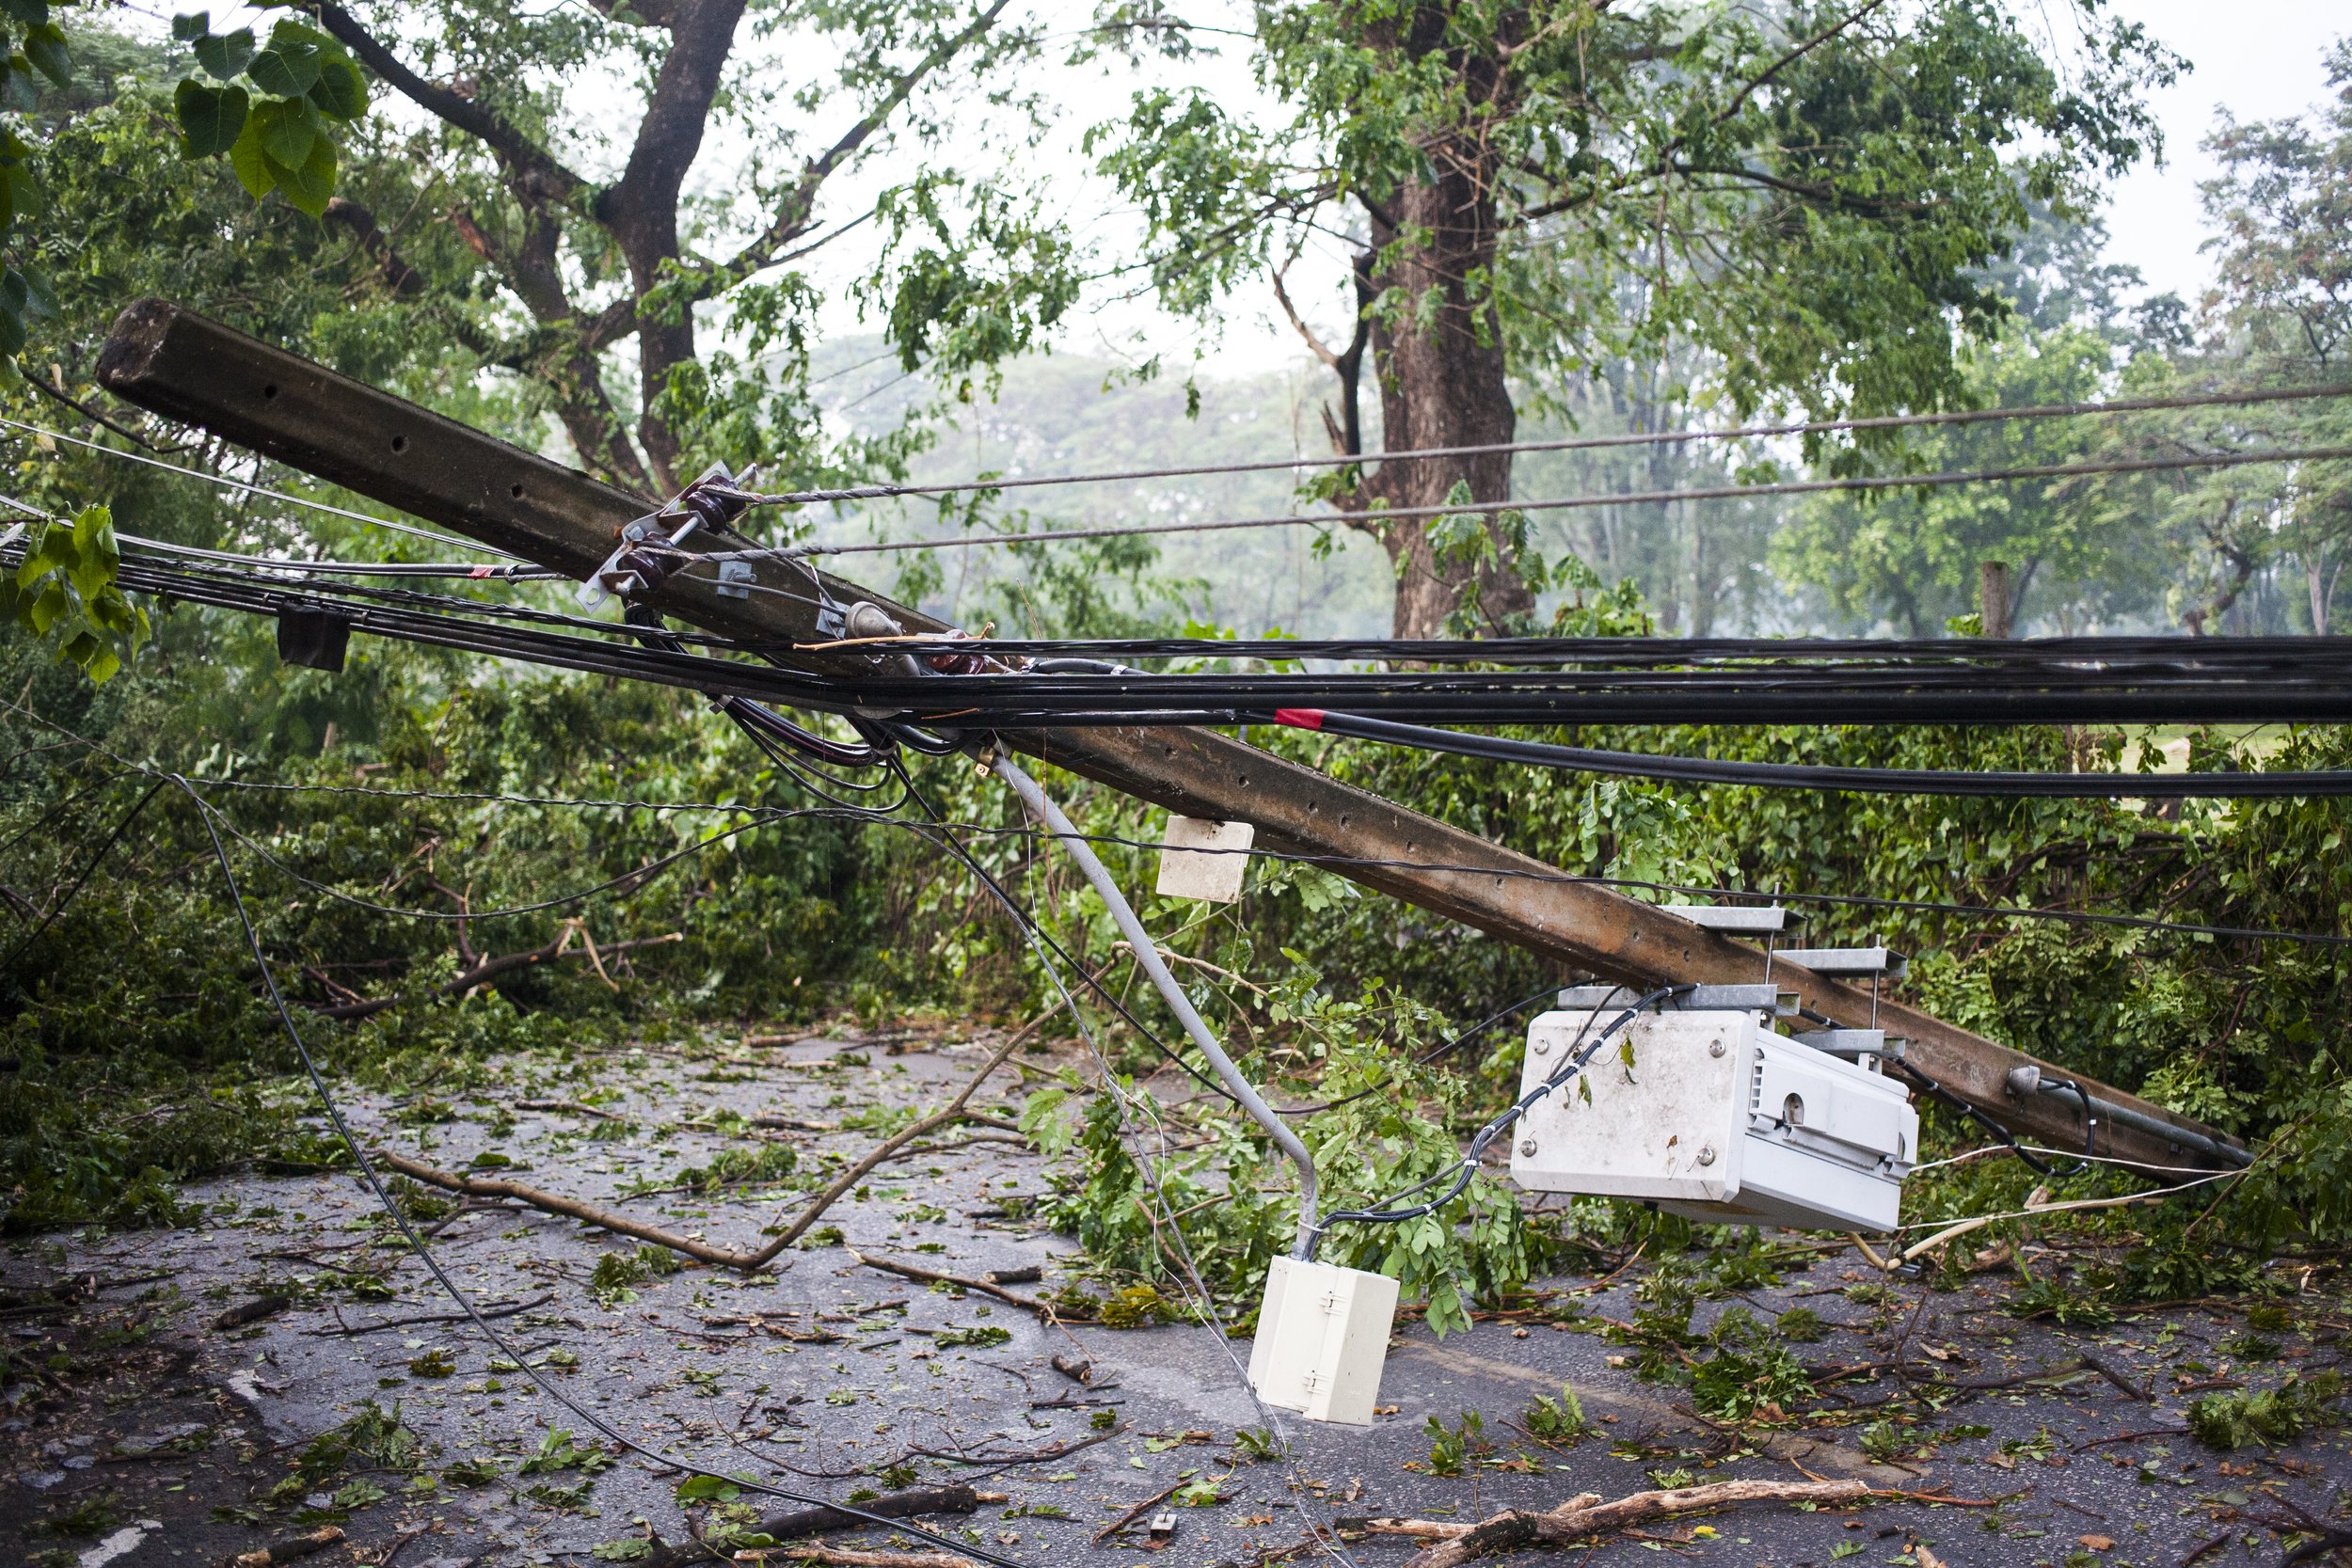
x: 1715, y: 1048
x: 1527, y: 1146
x: 1706, y: 1154
x: 1540, y: 1045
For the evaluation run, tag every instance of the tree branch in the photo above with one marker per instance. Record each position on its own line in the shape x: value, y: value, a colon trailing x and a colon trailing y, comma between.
x: 537, y: 167
x: 793, y: 214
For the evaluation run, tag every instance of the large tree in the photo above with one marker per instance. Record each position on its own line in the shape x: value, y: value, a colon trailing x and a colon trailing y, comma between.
x: 645, y: 191
x: 1806, y: 189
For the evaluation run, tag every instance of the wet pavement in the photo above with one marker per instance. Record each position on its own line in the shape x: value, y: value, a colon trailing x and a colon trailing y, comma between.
x: 142, y: 1423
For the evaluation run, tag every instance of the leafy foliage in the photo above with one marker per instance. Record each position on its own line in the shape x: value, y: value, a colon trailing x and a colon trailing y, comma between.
x: 271, y: 108
x: 65, y: 589
x: 2268, y: 1416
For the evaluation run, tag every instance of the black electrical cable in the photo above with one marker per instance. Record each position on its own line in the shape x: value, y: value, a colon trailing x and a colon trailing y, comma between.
x: 1990, y: 784
x: 2233, y: 690
x: 8, y: 965
x: 2171, y: 462
x: 465, y: 1303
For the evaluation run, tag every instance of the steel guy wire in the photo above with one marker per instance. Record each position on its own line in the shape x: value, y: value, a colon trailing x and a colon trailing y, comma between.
x: 482, y: 1324
x: 1564, y: 503
x: 1196, y: 1290
x: 1575, y: 443
x: 289, y: 498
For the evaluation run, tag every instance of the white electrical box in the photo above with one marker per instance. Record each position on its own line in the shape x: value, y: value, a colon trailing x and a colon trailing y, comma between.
x: 1323, y: 1336
x: 1200, y: 858
x: 1710, y: 1115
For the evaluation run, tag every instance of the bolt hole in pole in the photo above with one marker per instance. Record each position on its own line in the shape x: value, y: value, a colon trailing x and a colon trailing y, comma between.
x: 516, y: 491
x: 400, y: 443
x: 270, y: 391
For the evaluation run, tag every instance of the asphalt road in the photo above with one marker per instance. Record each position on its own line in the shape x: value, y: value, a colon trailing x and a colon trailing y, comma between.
x: 139, y: 1429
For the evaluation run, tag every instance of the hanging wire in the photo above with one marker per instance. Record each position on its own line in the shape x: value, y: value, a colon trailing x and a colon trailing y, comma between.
x: 1374, y: 516
x: 226, y: 482
x: 417, y: 1244
x: 2244, y: 397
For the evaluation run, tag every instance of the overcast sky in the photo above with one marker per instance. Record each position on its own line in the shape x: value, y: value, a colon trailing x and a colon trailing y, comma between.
x: 2258, y: 58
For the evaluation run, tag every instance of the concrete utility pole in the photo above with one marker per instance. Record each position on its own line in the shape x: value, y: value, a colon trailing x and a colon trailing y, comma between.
x: 185, y: 367
x: 1993, y: 598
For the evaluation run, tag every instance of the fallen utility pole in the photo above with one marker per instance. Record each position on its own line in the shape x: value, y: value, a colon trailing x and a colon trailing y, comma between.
x: 185, y: 367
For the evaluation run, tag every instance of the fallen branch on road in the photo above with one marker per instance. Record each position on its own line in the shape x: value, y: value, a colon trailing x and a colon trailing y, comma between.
x: 1452, y: 1544
x: 571, y: 1208
x: 959, y: 1498
x: 952, y: 1112
x: 932, y: 1277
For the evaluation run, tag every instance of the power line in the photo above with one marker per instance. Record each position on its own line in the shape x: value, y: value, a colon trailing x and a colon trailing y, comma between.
x: 1637, y: 498
x: 2192, y: 682
x: 226, y: 482
x: 1574, y: 443
x: 520, y: 572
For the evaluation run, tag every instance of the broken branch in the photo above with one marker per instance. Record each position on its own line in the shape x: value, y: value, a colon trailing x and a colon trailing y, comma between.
x: 1516, y: 1528
x: 571, y: 1208
x: 931, y: 1277
x: 953, y: 1112
x: 957, y: 1499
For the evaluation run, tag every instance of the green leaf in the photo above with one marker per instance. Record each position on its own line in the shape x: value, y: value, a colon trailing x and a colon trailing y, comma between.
x: 44, y: 45
x: 697, y: 1489
x: 40, y: 298
x: 17, y: 85
x: 310, y: 186
x: 291, y: 63
x: 340, y: 92
x: 226, y: 55
x: 210, y: 118
x: 289, y: 129
x: 250, y: 162
x: 185, y: 29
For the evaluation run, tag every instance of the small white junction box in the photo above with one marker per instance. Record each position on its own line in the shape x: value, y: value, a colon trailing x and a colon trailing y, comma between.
x: 1204, y: 859
x: 1323, y: 1337
x: 1717, y: 1119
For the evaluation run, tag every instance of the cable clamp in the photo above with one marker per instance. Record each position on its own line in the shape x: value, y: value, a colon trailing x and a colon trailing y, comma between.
x: 640, y: 564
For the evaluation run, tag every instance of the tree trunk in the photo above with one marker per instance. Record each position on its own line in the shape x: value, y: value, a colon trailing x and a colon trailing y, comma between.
x: 1438, y: 353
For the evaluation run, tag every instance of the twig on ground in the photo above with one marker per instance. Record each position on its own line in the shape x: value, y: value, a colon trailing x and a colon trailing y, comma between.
x: 1136, y: 1512
x: 997, y: 1463
x: 959, y: 1498
x: 1453, y: 1544
x: 503, y: 1309
x: 932, y: 1277
x: 848, y: 1559
x: 288, y: 1549
x: 576, y: 1107
x: 952, y: 1112
x: 571, y: 1208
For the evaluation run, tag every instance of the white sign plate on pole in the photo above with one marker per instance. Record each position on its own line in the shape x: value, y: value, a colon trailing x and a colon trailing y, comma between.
x: 1205, y: 859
